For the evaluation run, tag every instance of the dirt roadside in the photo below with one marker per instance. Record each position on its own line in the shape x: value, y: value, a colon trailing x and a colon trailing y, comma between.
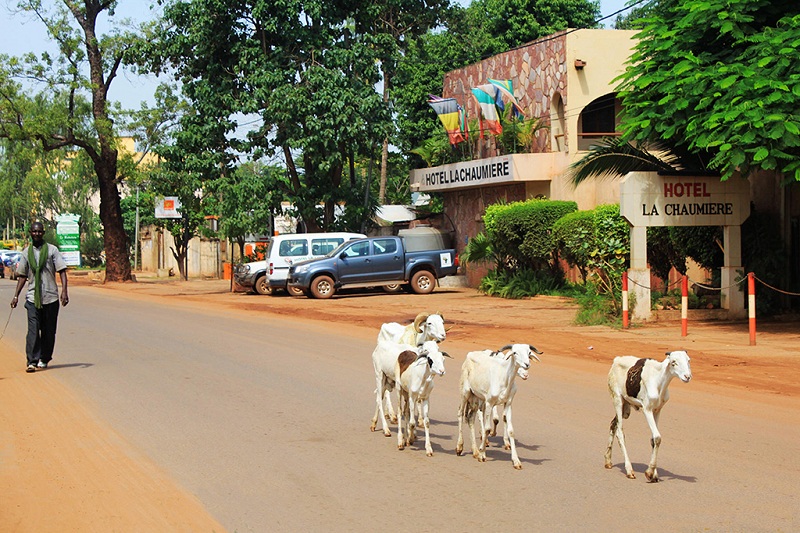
x: 95, y: 481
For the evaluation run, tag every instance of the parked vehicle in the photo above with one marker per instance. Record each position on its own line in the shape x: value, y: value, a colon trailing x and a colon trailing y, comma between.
x: 264, y: 277
x: 10, y: 259
x: 370, y: 262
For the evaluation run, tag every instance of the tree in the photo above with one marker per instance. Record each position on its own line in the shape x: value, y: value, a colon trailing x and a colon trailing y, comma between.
x: 246, y: 201
x: 395, y: 23
x: 302, y: 75
x: 718, y: 79
x: 72, y: 110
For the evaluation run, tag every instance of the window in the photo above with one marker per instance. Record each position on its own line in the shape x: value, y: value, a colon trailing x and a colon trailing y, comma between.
x: 598, y: 120
x: 324, y: 246
x: 293, y: 248
x: 385, y: 246
x: 358, y: 249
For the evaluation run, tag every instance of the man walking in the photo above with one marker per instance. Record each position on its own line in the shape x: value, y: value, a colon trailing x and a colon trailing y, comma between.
x: 38, y: 265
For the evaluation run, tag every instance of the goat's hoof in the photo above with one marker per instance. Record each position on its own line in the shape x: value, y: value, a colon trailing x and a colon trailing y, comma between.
x: 387, y: 433
x: 401, y: 447
x: 506, y: 446
x: 373, y: 427
x: 393, y: 419
x: 652, y: 477
x: 631, y: 476
x: 609, y: 466
x: 517, y: 467
x: 429, y: 454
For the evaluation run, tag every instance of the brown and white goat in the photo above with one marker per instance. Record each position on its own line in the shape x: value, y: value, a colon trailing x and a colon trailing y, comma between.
x: 642, y: 384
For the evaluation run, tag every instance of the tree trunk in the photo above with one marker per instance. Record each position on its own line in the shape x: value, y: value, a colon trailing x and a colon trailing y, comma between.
x: 115, y: 240
x: 385, y: 148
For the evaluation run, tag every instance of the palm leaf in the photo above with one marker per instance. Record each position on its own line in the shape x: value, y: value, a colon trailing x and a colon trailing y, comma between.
x: 613, y: 158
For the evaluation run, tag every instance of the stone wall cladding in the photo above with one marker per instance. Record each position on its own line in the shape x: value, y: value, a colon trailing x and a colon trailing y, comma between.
x: 466, y: 207
x: 538, y: 71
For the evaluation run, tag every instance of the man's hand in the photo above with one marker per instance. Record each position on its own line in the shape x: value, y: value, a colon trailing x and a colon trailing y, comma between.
x: 14, y: 301
x: 64, y: 299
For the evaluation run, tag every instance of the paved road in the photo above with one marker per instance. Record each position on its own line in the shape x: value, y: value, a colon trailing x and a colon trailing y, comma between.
x: 266, y: 421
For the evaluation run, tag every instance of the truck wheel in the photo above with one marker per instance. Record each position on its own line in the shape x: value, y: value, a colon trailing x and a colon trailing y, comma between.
x: 262, y: 285
x: 322, y: 287
x: 423, y: 282
x: 392, y: 289
x: 294, y: 291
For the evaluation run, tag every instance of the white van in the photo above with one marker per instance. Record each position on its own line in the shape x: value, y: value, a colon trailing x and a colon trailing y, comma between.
x: 264, y: 277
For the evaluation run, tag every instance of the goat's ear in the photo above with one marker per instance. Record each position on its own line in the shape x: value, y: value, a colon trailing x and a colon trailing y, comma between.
x: 447, y: 355
x: 668, y: 353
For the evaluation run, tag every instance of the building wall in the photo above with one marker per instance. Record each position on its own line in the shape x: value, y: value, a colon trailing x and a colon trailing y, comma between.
x: 465, y: 208
x: 205, y: 256
x: 548, y: 85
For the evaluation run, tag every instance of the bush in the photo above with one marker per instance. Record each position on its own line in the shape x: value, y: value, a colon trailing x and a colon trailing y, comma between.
x: 521, y: 233
x: 520, y: 284
x: 572, y: 234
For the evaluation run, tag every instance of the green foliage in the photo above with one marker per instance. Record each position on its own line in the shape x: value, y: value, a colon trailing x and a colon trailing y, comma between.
x: 519, y: 135
x: 520, y: 284
x: 521, y: 233
x: 596, y: 308
x: 479, y: 249
x: 59, y: 100
x: 763, y: 253
x: 718, y: 78
x: 700, y: 243
x: 663, y: 252
x: 597, y: 242
x: 435, y: 150
x: 316, y: 103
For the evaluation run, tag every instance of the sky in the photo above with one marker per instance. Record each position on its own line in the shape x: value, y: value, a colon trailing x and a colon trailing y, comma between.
x: 19, y: 33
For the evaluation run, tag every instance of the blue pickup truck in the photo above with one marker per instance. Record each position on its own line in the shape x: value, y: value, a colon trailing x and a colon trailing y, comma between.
x: 373, y: 262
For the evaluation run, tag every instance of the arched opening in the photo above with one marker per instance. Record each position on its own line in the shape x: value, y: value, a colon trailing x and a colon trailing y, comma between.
x: 597, y: 120
x: 558, y: 127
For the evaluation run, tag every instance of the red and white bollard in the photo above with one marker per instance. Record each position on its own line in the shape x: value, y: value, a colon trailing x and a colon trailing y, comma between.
x: 684, y: 305
x: 751, y: 306
x: 625, y: 322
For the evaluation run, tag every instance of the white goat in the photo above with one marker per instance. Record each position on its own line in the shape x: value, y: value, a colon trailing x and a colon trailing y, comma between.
x: 642, y: 383
x: 426, y: 326
x: 487, y: 380
x: 414, y: 372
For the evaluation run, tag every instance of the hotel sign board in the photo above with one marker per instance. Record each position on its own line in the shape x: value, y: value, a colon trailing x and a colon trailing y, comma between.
x: 480, y: 172
x: 650, y: 199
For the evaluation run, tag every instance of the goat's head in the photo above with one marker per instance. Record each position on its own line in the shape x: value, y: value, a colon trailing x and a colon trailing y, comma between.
x: 430, y: 326
x: 430, y: 349
x: 678, y: 362
x: 522, y: 357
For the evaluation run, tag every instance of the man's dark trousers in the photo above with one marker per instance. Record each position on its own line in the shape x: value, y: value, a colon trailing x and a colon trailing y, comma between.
x: 41, y: 337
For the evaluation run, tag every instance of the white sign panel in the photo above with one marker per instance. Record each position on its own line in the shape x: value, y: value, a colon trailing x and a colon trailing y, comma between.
x: 491, y: 171
x: 168, y: 207
x: 649, y: 199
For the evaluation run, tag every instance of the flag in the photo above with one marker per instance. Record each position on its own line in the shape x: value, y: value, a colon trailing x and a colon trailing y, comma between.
x: 506, y: 87
x: 487, y: 96
x: 451, y: 115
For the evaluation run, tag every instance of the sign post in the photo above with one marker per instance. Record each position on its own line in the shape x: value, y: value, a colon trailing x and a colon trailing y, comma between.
x: 68, y: 233
x: 653, y: 199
